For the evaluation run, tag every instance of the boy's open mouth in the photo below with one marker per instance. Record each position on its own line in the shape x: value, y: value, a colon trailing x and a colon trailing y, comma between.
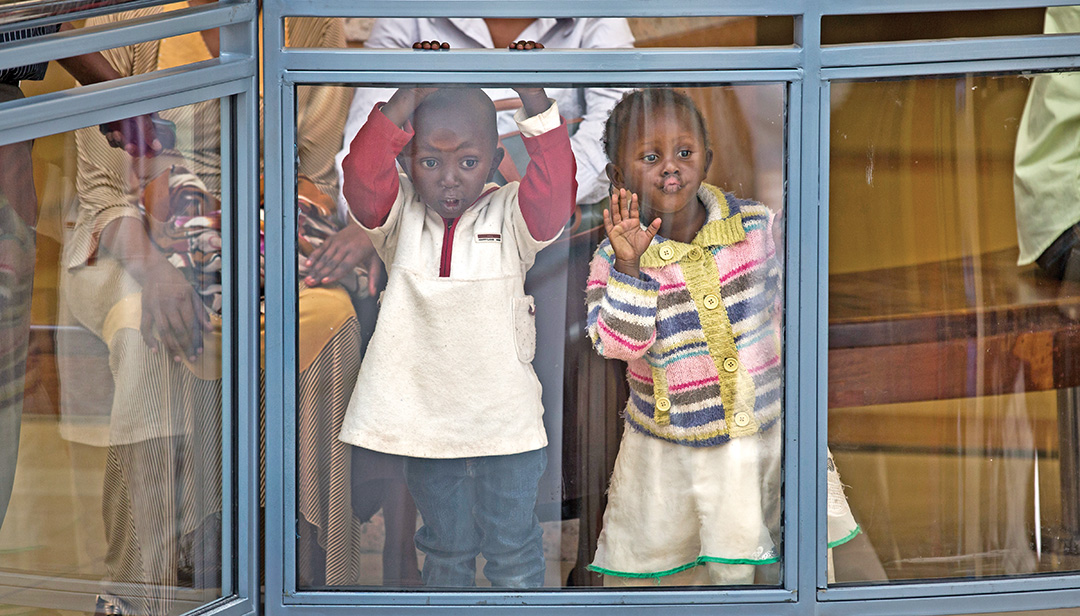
x: 451, y: 204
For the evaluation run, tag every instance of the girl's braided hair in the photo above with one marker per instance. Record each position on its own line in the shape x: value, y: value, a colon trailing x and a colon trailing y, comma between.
x: 640, y: 104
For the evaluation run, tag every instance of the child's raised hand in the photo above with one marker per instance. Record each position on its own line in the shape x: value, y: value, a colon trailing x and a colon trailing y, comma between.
x: 404, y: 102
x: 623, y: 226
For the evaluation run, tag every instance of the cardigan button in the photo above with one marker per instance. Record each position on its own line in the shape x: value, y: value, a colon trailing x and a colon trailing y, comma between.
x: 663, y: 404
x: 695, y: 253
x: 667, y: 253
x: 731, y: 364
x: 742, y: 419
x: 711, y: 301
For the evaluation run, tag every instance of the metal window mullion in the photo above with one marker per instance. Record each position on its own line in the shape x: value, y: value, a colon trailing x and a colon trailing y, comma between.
x: 67, y: 110
x: 862, y: 7
x: 551, y: 8
x: 246, y: 169
x: 793, y: 207
x: 805, y: 463
x: 998, y: 48
x: 749, y: 599
x: 230, y: 354
x: 960, y: 602
x: 398, y: 78
x: 553, y: 60
x: 280, y: 358
x: 1026, y: 65
x: 945, y: 588
x: 109, y: 36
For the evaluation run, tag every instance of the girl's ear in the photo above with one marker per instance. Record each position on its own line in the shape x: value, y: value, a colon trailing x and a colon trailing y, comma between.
x: 614, y: 174
x: 496, y: 160
x: 708, y: 159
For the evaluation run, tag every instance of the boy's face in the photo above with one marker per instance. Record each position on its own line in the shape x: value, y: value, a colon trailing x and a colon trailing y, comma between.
x: 664, y: 160
x: 452, y: 155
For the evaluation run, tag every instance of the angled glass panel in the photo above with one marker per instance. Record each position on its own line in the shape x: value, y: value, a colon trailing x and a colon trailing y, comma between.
x: 16, y: 13
x: 111, y: 476
x: 109, y: 64
x: 953, y: 325
x: 580, y: 33
x: 483, y: 441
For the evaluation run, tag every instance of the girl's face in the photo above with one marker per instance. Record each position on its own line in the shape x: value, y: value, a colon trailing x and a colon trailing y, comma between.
x: 664, y: 160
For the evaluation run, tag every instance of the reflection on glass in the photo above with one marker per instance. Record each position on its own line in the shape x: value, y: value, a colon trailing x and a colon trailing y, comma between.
x: 885, y: 27
x: 569, y: 33
x: 950, y: 365
x: 115, y: 507
x: 464, y: 471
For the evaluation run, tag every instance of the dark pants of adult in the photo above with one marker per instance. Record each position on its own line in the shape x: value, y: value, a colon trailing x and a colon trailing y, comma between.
x: 1062, y: 259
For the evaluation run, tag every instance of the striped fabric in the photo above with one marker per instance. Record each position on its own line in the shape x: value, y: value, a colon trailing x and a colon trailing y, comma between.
x: 162, y: 496
x: 16, y: 285
x: 700, y: 329
x: 31, y: 71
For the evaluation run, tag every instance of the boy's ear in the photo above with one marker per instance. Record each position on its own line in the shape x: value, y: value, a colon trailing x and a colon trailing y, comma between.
x: 708, y: 159
x: 496, y: 160
x: 404, y: 162
x: 614, y: 174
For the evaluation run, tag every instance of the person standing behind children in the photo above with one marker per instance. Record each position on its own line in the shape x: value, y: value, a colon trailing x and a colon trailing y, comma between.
x: 448, y: 381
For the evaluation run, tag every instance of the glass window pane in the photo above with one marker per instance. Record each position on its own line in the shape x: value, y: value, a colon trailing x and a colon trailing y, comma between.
x: 110, y: 370
x: 567, y: 33
x: 478, y: 376
x: 14, y: 12
x: 109, y: 64
x: 886, y: 27
x: 951, y: 341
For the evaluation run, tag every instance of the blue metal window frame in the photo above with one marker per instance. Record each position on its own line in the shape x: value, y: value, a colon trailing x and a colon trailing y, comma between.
x: 233, y: 79
x: 808, y: 68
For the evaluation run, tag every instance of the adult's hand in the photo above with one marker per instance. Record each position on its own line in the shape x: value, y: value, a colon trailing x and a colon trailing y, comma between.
x: 338, y: 256
x: 173, y: 316
x: 138, y: 136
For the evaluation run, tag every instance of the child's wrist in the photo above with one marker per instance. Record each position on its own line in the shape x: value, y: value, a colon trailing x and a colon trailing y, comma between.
x: 629, y: 267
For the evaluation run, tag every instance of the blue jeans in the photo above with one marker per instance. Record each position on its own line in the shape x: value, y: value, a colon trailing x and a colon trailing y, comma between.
x: 476, y: 506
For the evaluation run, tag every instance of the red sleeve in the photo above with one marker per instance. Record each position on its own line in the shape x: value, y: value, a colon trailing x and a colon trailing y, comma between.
x: 370, y: 183
x: 549, y: 187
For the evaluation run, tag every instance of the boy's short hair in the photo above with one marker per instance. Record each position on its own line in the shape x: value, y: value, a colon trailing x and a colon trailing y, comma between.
x: 473, y: 99
x: 638, y: 104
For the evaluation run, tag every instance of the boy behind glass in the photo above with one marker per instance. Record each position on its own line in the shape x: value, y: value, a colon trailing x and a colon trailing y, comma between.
x: 447, y: 380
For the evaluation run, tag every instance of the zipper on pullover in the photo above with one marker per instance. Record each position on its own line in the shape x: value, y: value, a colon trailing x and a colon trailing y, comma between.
x: 447, y: 246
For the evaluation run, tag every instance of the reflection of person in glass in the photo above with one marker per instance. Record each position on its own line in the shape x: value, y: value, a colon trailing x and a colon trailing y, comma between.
x: 143, y: 274
x: 448, y: 380
x: 1046, y: 163
x: 18, y: 216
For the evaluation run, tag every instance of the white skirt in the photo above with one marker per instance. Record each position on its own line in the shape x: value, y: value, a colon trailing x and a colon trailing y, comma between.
x: 673, y: 507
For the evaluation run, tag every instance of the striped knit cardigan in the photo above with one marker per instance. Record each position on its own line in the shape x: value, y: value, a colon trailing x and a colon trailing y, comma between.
x: 700, y: 329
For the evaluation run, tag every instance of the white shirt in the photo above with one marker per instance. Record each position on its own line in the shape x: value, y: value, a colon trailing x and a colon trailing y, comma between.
x: 448, y: 372
x: 592, y: 105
